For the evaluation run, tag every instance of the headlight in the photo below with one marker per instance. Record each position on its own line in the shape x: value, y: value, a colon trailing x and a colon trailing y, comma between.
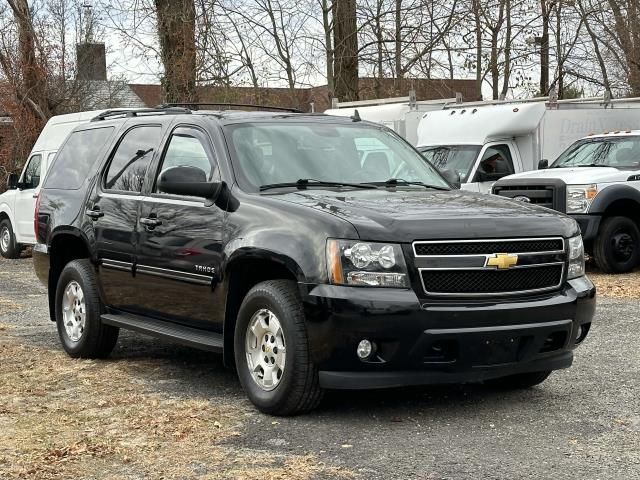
x: 576, y: 257
x: 579, y: 197
x: 351, y: 262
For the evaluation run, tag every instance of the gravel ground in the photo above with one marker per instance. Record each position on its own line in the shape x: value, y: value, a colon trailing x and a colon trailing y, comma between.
x: 583, y: 422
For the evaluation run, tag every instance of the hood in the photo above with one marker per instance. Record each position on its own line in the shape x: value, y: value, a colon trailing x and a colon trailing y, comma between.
x: 580, y: 175
x: 409, y: 215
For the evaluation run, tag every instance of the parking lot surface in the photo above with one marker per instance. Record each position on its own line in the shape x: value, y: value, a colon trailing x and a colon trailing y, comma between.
x: 155, y: 409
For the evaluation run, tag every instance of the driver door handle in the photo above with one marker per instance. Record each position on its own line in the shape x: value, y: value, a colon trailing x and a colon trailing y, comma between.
x: 94, y: 213
x: 150, y: 222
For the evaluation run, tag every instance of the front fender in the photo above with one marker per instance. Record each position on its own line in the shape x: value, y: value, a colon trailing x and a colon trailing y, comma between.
x: 612, y: 194
x: 236, y: 252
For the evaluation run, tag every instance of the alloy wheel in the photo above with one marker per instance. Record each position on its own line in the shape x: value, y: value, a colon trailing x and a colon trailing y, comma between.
x: 74, y: 311
x: 5, y: 239
x: 265, y: 349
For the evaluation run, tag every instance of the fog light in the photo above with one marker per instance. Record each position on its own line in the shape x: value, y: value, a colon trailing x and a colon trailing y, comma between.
x: 365, y: 349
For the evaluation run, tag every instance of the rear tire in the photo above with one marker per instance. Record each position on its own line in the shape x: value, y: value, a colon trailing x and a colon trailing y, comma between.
x: 520, y: 381
x: 78, y: 309
x: 617, y: 246
x: 9, y: 248
x: 271, y: 319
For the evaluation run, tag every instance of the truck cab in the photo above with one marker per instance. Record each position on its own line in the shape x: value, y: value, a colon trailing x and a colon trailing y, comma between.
x: 485, y: 141
x: 597, y: 182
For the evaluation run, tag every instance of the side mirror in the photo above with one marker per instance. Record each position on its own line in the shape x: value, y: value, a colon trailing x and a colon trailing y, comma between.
x: 542, y: 164
x: 189, y: 181
x: 12, y: 181
x: 453, y: 177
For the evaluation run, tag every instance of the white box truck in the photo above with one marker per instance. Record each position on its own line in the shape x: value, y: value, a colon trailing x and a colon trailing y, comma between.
x: 400, y: 114
x: 485, y: 141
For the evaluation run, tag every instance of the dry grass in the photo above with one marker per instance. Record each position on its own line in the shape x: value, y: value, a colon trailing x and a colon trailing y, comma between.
x: 62, y: 418
x: 616, y: 286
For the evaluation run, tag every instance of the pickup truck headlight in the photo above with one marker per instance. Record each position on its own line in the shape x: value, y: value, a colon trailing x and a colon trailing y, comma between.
x: 351, y: 262
x: 576, y: 257
x: 579, y: 197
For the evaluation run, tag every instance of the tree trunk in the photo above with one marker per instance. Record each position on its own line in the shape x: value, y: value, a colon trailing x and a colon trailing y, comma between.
x: 176, y: 32
x: 326, y: 23
x: 345, y: 40
x: 507, y: 51
x: 398, y: 47
x: 478, y: 20
x: 544, y: 49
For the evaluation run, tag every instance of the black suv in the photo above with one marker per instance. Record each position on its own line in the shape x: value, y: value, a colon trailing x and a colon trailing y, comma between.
x: 314, y: 252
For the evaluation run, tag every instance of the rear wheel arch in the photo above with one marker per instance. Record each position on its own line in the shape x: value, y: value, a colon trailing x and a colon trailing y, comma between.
x: 65, y: 247
x: 242, y: 273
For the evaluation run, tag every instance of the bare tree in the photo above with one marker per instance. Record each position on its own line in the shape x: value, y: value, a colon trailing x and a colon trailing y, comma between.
x: 345, y: 40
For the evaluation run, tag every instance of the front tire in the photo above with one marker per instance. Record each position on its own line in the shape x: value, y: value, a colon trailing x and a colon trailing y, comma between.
x: 78, y: 309
x: 9, y: 248
x: 520, y: 381
x: 617, y: 246
x: 271, y: 350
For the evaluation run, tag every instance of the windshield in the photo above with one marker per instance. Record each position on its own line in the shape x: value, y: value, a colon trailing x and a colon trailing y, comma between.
x: 459, y: 158
x: 621, y: 152
x: 274, y: 153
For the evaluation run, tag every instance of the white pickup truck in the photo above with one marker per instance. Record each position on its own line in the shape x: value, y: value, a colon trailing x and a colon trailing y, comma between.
x: 17, y: 204
x: 597, y: 182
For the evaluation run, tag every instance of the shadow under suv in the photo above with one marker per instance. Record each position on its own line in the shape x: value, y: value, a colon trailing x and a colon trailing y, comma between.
x: 272, y: 238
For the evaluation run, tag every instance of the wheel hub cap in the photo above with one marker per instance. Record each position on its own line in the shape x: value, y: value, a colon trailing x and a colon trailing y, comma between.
x: 5, y: 239
x: 73, y: 311
x: 265, y: 349
x: 623, y: 246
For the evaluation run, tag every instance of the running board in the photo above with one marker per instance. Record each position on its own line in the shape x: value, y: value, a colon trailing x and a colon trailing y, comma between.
x: 174, y: 332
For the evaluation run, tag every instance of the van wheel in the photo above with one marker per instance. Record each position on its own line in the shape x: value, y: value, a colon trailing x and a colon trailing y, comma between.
x: 272, y: 350
x: 616, y: 248
x: 520, y: 381
x: 9, y: 248
x: 78, y: 310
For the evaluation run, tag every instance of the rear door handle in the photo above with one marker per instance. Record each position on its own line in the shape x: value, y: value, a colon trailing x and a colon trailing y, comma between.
x: 150, y: 222
x: 94, y: 213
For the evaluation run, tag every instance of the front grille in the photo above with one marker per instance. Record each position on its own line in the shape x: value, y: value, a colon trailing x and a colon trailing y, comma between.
x: 549, y: 193
x: 489, y: 247
x: 483, y: 282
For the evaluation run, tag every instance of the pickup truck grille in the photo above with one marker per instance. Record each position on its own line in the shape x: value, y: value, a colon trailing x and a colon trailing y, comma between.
x: 549, y: 193
x: 490, y: 267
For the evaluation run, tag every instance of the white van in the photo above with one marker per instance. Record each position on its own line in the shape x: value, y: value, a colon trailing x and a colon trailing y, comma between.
x: 485, y: 141
x: 17, y: 204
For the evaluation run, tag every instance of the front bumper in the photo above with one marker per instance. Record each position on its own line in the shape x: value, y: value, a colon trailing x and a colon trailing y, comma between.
x: 589, y: 225
x: 420, y: 342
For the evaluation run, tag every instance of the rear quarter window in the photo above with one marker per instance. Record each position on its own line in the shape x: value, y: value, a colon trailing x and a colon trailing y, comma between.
x: 74, y: 161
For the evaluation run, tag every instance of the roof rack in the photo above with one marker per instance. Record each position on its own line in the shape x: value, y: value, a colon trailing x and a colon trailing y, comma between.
x: 138, y: 111
x: 194, y: 106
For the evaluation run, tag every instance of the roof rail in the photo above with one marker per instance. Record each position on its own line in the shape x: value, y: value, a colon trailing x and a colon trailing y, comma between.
x: 194, y: 106
x: 137, y: 112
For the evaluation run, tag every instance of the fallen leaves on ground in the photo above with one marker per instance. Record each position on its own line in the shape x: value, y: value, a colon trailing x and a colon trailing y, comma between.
x: 64, y: 418
x: 626, y: 285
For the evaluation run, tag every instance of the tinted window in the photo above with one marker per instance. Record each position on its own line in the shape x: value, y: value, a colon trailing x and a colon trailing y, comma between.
x: 32, y: 172
x: 73, y: 163
x: 186, y: 150
x: 132, y: 157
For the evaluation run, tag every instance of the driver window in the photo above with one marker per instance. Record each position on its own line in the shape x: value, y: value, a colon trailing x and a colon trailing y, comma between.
x: 496, y: 162
x: 185, y: 149
x: 32, y: 173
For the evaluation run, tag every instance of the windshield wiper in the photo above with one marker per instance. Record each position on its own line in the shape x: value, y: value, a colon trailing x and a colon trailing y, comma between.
x: 392, y: 182
x: 307, y: 182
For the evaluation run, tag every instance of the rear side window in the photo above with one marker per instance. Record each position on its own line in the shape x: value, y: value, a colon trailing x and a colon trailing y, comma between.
x: 129, y: 162
x: 73, y: 163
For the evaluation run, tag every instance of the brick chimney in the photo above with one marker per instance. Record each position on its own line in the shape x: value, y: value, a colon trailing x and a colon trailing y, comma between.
x: 91, y: 61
